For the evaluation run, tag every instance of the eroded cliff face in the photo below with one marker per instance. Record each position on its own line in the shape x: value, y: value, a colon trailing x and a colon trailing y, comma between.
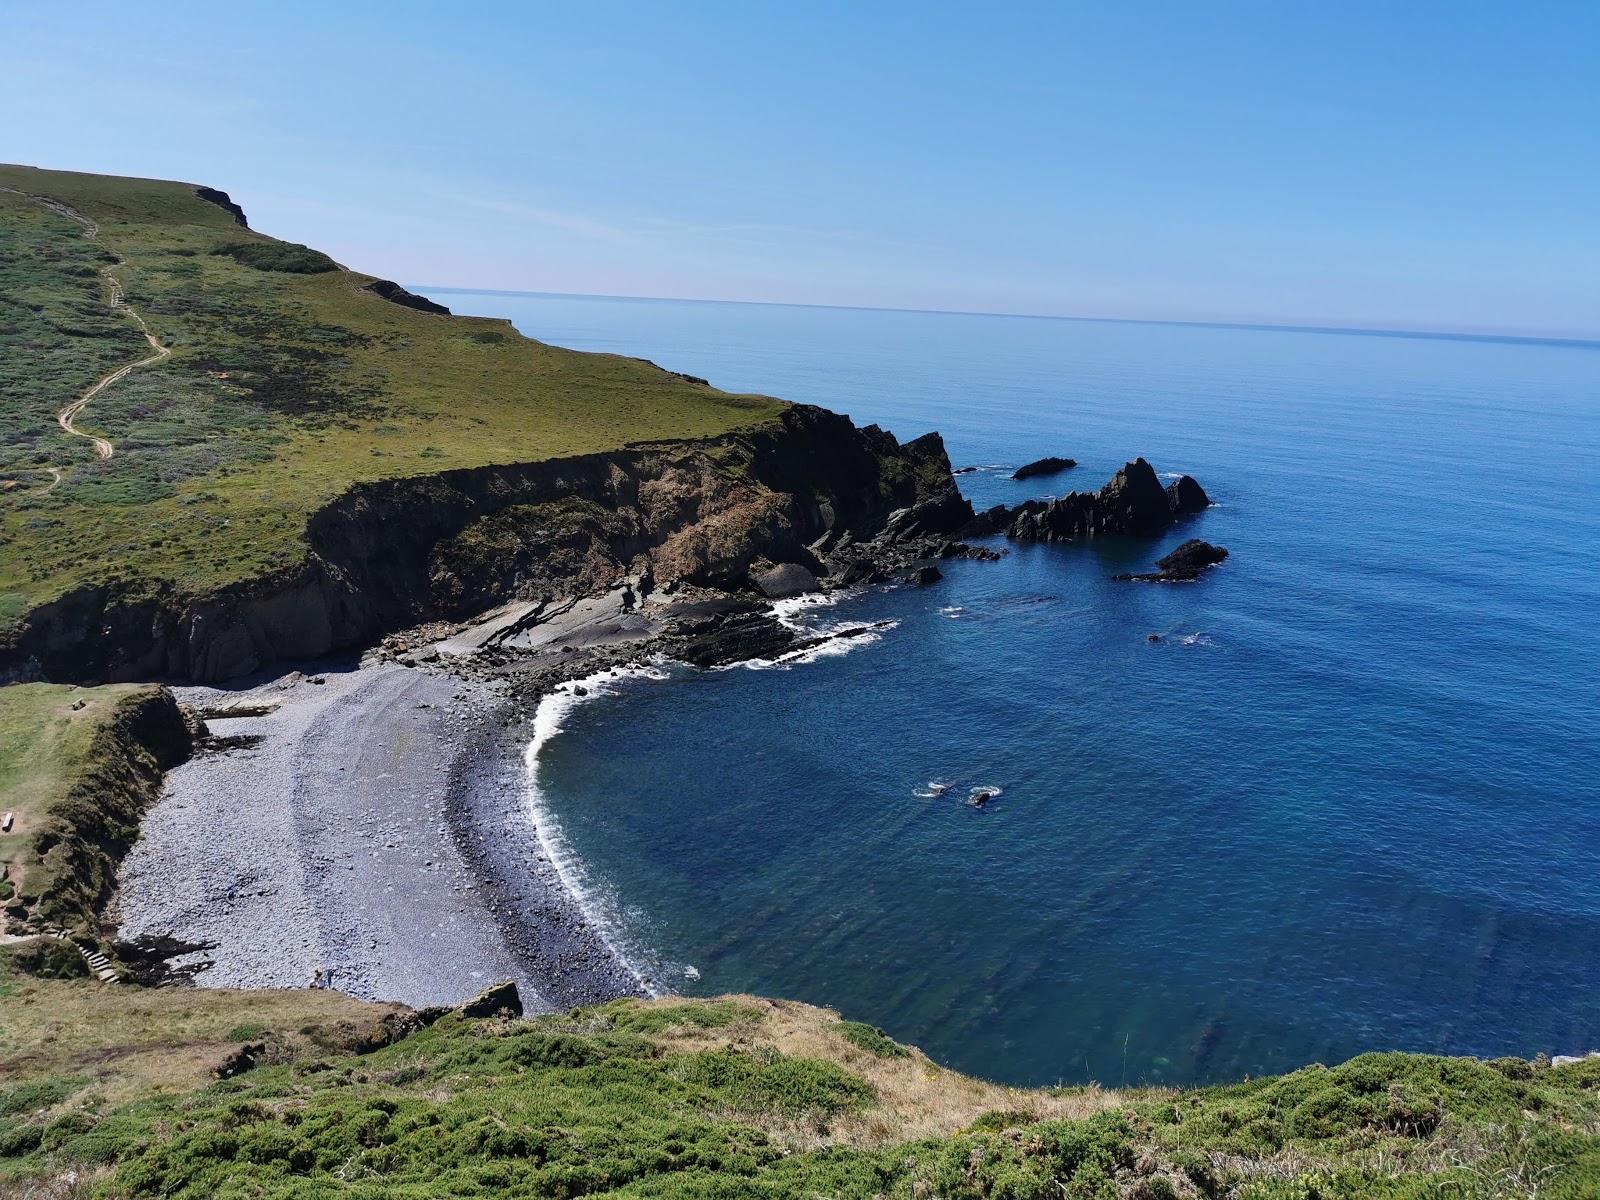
x: 394, y: 553
x: 80, y: 839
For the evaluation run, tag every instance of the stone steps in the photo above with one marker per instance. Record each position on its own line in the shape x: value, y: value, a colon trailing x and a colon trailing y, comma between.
x: 99, y: 965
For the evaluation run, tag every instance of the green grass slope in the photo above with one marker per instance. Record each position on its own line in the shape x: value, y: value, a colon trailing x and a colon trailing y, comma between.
x: 78, y: 767
x: 289, y: 381
x: 748, y: 1098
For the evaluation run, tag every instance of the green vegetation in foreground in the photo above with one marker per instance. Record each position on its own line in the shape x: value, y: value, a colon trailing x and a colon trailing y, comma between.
x: 288, y: 382
x: 735, y: 1098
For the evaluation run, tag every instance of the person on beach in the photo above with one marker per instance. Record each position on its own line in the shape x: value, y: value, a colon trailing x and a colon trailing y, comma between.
x: 316, y: 979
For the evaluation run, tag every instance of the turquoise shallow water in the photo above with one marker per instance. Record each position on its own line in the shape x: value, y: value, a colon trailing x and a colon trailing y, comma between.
x: 1349, y: 801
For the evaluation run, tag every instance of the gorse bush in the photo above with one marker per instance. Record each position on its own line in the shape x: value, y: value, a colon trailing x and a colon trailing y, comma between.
x: 289, y: 257
x: 626, y: 1099
x: 871, y: 1039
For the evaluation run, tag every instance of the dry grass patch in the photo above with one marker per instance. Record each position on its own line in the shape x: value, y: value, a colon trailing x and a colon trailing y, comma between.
x: 916, y: 1098
x: 122, y: 1043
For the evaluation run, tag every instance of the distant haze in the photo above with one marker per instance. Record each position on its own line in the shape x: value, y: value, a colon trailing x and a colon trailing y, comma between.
x: 1420, y: 166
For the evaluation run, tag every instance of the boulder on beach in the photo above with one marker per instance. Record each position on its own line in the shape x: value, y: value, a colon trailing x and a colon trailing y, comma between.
x: 1049, y: 465
x: 785, y: 580
x: 501, y: 999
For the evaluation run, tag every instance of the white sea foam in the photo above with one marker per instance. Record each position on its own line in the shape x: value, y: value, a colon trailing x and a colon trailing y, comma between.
x: 954, y: 611
x: 598, y: 906
x: 792, y: 614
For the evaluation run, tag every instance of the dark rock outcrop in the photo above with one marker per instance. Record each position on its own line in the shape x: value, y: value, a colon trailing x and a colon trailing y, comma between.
x: 245, y: 1058
x: 1049, y: 465
x: 1132, y: 504
x: 223, y: 200
x: 395, y: 294
x: 501, y: 999
x: 737, y: 633
x: 1184, y: 564
x: 941, y: 514
x: 394, y: 553
x: 1187, y: 497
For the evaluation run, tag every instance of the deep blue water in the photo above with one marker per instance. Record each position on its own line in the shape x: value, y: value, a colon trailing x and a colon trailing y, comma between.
x: 1348, y: 802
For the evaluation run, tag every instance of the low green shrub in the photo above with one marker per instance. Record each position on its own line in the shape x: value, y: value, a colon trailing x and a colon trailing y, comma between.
x: 289, y: 257
x: 872, y: 1039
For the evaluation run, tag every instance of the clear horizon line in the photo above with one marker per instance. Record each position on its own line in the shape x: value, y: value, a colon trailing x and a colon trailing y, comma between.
x: 1263, y: 326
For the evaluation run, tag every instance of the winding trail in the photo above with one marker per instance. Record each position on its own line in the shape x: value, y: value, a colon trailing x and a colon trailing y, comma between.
x: 69, y: 414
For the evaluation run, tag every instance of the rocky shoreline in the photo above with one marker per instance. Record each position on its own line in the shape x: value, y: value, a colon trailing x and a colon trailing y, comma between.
x: 381, y: 804
x: 380, y: 807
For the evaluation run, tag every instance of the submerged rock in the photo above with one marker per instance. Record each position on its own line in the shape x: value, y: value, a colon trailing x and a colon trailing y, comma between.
x: 1050, y: 465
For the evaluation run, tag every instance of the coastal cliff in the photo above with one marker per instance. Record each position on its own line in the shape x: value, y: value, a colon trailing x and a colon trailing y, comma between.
x: 393, y: 553
x: 83, y: 766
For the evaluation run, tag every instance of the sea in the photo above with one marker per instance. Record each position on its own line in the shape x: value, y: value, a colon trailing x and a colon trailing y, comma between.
x: 1348, y: 800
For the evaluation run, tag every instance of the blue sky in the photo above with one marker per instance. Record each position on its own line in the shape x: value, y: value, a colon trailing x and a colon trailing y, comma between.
x: 1402, y: 165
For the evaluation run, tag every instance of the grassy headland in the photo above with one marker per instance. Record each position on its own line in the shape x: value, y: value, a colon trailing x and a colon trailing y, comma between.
x: 289, y: 381
x: 735, y: 1097
x: 78, y: 766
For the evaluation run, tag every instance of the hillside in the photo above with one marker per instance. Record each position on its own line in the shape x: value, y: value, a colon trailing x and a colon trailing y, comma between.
x: 733, y: 1097
x: 289, y: 381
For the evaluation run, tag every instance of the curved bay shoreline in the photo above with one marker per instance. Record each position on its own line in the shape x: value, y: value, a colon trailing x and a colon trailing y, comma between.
x: 372, y: 816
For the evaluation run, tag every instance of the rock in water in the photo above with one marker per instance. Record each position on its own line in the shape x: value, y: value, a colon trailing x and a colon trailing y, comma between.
x: 1186, y: 497
x: 1050, y: 465
x: 785, y: 580
x: 494, y: 1001
x: 1132, y: 504
x: 1184, y: 564
x: 1189, y: 559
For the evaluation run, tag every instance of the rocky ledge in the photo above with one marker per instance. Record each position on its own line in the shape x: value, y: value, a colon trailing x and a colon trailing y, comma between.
x: 1132, y: 504
x: 1183, y: 565
x: 391, y: 291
